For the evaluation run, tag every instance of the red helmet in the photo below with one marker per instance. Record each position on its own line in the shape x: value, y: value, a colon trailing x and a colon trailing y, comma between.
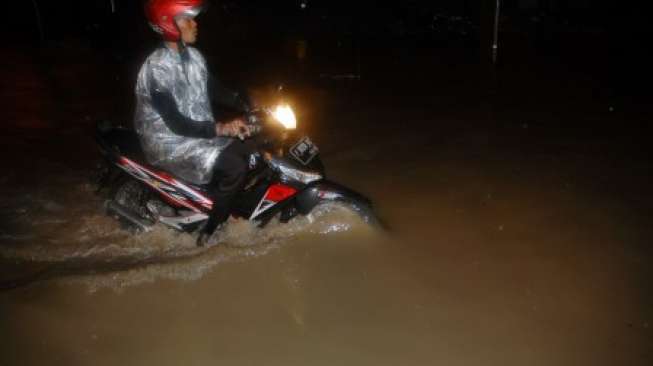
x: 161, y: 15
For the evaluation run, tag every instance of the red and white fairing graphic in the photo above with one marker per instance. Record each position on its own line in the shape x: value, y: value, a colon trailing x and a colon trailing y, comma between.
x: 172, y: 190
x: 179, y: 194
x: 275, y: 194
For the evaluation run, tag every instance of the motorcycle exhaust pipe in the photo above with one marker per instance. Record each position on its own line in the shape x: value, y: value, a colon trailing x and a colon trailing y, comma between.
x: 128, y: 216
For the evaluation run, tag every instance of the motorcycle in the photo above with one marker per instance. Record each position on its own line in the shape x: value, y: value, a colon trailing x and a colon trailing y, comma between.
x: 286, y: 178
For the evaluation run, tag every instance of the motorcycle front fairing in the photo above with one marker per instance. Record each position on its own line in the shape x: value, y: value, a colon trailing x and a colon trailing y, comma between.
x: 283, y: 191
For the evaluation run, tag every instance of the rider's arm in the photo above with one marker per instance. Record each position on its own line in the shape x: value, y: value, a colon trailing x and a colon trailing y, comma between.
x: 165, y: 105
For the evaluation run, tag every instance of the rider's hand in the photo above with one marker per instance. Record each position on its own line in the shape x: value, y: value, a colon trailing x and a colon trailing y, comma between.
x: 226, y: 129
x: 234, y: 128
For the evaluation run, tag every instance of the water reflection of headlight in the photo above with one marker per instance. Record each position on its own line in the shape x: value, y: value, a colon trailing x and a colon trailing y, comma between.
x: 285, y: 116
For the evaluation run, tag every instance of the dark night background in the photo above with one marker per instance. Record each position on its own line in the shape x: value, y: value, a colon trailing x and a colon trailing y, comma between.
x: 604, y: 41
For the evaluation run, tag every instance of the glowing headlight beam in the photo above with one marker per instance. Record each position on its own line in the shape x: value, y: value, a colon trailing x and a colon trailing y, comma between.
x: 285, y: 115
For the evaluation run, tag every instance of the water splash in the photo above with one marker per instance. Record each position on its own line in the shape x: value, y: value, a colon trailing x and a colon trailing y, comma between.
x: 82, y: 245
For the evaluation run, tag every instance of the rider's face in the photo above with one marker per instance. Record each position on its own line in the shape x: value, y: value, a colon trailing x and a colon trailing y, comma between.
x: 188, y: 28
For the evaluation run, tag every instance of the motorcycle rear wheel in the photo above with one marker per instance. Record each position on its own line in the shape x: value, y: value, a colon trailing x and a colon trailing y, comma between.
x: 133, y: 195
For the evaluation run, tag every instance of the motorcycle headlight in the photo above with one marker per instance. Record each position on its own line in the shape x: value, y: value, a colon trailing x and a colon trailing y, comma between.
x: 285, y: 116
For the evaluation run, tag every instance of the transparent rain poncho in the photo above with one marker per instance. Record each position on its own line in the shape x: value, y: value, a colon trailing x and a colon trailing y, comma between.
x: 189, y: 158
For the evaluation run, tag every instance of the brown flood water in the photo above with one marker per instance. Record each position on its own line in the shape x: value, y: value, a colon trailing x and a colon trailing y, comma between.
x: 508, y: 246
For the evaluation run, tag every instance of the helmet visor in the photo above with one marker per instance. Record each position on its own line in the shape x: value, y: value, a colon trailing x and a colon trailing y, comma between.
x: 194, y: 11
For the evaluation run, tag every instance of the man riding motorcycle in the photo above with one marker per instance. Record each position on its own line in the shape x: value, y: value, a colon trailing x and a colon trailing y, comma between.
x: 174, y: 117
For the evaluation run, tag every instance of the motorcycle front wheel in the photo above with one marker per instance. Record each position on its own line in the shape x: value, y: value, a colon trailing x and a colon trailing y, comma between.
x: 361, y: 210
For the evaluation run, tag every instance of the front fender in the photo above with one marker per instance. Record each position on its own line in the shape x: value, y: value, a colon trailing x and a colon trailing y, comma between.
x: 326, y: 190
